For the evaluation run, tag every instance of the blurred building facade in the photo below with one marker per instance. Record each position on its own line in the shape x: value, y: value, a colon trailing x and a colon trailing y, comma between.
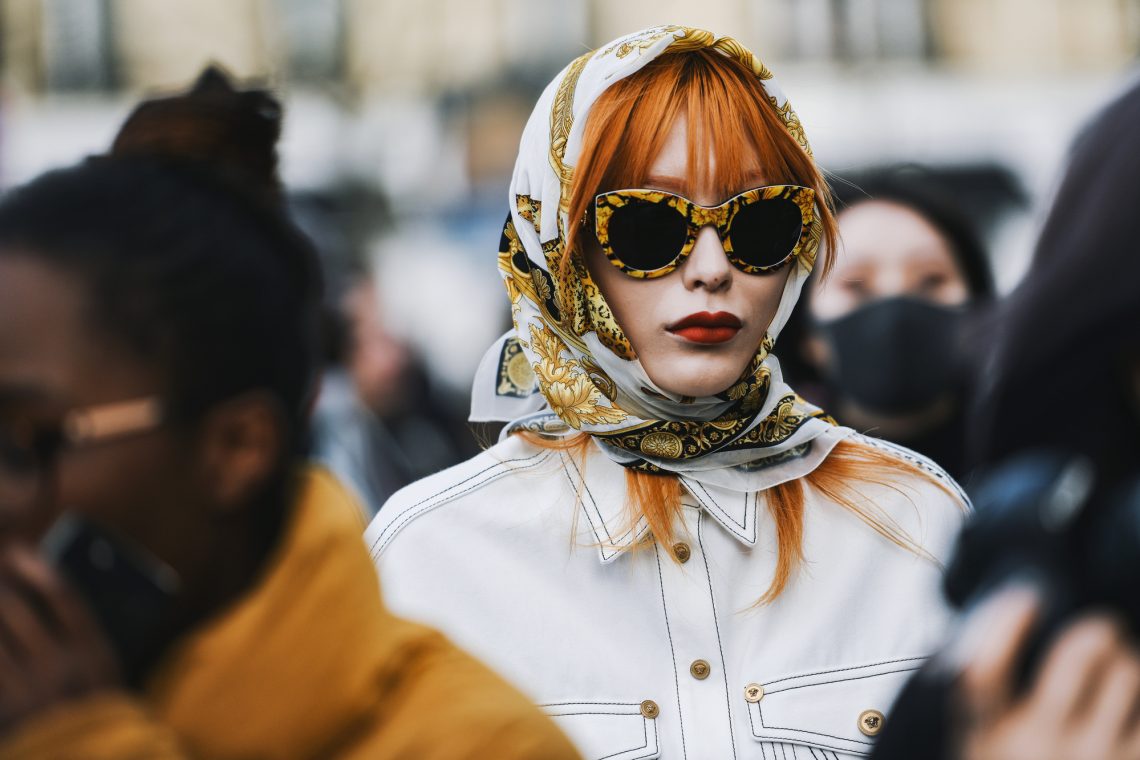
x: 410, y: 48
x: 421, y: 104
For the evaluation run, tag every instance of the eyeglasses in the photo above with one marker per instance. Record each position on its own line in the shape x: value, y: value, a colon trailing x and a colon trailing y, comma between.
x: 649, y: 233
x: 28, y: 452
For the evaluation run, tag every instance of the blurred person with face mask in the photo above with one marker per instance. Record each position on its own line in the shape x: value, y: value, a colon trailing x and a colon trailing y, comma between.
x: 884, y: 330
x: 200, y: 591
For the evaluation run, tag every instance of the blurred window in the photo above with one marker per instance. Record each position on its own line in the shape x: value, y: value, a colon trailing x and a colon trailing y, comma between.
x: 860, y: 30
x: 313, y: 33
x: 76, y: 37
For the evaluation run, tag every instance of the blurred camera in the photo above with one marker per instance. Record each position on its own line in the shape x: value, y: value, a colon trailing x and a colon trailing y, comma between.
x: 1046, y: 517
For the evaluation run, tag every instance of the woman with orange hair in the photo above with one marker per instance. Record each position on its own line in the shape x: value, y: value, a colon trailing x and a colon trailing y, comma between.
x: 668, y: 549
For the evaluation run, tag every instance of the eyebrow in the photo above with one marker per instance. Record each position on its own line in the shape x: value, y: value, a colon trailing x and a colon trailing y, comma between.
x: 672, y: 184
x: 680, y: 185
x: 757, y: 176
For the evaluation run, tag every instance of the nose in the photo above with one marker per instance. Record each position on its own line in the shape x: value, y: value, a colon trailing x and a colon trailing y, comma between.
x: 892, y: 282
x: 707, y: 266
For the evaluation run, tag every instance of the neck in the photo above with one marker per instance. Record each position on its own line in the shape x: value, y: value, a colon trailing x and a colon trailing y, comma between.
x: 227, y: 563
x: 230, y: 565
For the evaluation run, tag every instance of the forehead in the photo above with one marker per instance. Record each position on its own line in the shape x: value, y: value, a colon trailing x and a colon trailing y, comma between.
x: 880, y: 233
x: 48, y: 350
x: 679, y: 167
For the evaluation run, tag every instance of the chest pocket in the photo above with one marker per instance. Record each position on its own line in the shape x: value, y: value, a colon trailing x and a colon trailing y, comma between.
x: 607, y: 730
x: 827, y: 714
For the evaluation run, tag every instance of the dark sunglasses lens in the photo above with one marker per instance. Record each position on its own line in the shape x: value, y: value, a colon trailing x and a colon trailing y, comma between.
x: 765, y: 232
x: 646, y: 235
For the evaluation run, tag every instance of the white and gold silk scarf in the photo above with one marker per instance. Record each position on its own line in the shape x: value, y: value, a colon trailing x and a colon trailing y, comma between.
x: 567, y: 366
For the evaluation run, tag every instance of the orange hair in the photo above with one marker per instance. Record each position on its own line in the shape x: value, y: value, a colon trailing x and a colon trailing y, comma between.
x: 726, y: 106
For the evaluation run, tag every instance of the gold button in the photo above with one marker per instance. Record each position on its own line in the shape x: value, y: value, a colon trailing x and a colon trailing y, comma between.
x: 649, y: 709
x: 753, y: 692
x: 700, y: 669
x: 681, y: 552
x: 871, y: 722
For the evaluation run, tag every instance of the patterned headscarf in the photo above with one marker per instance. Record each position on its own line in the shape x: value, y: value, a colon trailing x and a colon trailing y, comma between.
x: 567, y: 366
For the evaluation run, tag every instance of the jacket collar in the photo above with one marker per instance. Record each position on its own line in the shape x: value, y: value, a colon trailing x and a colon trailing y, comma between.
x: 600, y: 485
x: 268, y: 658
x: 734, y: 510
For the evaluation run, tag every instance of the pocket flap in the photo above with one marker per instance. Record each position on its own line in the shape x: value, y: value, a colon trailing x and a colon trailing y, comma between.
x: 606, y: 730
x: 841, y: 709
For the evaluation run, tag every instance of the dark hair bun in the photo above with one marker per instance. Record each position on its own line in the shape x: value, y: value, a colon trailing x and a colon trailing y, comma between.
x: 231, y: 133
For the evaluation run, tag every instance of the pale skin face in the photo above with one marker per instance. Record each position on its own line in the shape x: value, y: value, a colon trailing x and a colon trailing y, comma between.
x: 888, y: 250
x: 681, y: 361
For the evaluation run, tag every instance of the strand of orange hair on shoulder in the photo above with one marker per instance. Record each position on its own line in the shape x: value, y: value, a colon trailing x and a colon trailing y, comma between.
x: 657, y: 498
x: 836, y: 478
x: 575, y: 447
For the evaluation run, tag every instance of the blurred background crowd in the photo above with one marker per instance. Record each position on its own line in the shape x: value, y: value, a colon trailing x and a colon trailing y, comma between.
x: 402, y: 123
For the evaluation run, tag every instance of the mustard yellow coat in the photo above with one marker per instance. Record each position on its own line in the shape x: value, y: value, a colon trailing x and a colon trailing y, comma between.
x: 308, y: 665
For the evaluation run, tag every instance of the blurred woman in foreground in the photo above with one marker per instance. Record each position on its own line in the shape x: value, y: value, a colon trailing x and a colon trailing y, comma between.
x: 1064, y: 380
x: 158, y: 315
x: 1066, y: 375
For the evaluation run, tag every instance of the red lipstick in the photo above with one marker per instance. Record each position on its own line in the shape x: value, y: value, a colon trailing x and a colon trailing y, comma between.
x: 707, y: 328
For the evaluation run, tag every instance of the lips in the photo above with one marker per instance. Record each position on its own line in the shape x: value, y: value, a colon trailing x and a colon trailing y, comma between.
x: 707, y: 328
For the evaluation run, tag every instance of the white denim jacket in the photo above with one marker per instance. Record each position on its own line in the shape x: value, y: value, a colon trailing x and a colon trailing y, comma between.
x: 519, y: 555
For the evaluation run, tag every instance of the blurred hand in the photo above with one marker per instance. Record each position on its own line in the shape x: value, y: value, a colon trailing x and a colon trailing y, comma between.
x: 51, y: 648
x: 1082, y: 703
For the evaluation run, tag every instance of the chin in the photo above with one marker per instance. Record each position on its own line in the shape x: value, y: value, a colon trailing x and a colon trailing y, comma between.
x: 697, y: 381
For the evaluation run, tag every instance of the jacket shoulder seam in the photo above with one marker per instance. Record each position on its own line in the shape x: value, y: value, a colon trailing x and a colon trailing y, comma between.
x: 923, y: 463
x: 451, y: 491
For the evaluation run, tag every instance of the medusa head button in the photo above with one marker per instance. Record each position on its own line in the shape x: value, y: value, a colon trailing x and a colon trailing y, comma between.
x: 682, y: 552
x: 649, y: 709
x: 700, y: 669
x: 871, y: 722
x: 753, y: 692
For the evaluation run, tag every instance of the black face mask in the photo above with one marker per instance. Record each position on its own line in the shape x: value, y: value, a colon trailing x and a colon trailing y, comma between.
x: 895, y: 355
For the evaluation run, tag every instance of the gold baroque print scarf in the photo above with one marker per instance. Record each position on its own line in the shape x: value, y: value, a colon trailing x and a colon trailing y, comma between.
x: 567, y: 366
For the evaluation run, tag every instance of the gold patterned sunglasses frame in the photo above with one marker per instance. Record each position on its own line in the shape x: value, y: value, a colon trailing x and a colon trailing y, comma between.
x: 698, y: 217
